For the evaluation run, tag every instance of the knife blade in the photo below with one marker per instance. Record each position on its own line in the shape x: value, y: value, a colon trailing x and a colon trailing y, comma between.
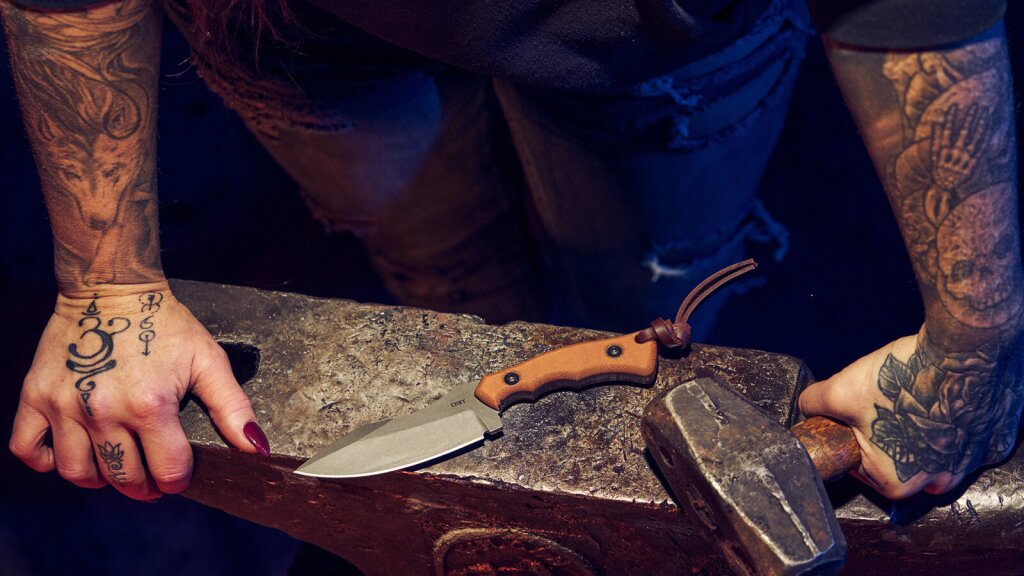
x: 471, y: 411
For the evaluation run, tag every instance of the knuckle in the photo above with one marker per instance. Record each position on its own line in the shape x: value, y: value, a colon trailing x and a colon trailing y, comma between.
x: 31, y: 392
x: 46, y: 401
x: 33, y: 383
x: 228, y: 401
x: 75, y: 473
x: 101, y: 402
x: 817, y: 398
x: 22, y: 450
x: 150, y: 405
x: 214, y: 356
x: 173, y: 480
x: 19, y: 447
x: 172, y: 468
x: 102, y: 417
x: 899, y: 492
x: 30, y: 455
x: 833, y: 396
x: 217, y: 352
x: 234, y: 404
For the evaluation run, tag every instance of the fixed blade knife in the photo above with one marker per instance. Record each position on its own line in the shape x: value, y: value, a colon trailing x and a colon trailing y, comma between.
x: 472, y: 411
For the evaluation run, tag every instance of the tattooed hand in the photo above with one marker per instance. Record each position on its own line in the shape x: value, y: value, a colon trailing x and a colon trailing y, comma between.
x: 927, y: 410
x: 119, y: 352
x: 926, y: 414
x: 107, y: 380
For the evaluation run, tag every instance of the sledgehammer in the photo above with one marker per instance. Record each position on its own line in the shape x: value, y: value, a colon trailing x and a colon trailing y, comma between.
x: 754, y: 487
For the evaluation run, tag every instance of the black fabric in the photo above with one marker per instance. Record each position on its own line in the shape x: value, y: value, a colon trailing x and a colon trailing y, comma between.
x: 55, y: 4
x: 904, y: 24
x: 609, y: 45
x: 578, y: 45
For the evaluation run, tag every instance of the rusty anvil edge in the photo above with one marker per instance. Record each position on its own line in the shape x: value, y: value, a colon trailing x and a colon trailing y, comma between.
x: 568, y: 478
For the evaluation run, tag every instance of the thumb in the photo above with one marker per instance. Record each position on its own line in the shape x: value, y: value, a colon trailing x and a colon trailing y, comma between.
x: 229, y: 407
x: 850, y: 395
x: 836, y: 397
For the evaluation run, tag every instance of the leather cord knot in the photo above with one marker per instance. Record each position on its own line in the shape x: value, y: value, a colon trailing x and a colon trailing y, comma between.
x: 677, y: 334
x: 670, y: 335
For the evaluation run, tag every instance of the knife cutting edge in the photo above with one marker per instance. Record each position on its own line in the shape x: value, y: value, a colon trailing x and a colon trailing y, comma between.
x: 471, y: 411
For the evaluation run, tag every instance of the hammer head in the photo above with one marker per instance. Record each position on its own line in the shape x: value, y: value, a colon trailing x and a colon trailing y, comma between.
x: 746, y: 479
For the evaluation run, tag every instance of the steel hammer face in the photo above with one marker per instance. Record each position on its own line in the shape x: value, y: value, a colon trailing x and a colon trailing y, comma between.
x: 746, y: 480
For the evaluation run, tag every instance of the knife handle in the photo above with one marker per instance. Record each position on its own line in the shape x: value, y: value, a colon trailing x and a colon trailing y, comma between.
x: 619, y: 359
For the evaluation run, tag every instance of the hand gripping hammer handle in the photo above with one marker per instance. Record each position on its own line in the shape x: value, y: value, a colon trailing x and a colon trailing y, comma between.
x: 831, y: 445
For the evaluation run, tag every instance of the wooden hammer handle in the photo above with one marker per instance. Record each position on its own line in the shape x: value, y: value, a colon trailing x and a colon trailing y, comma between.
x: 832, y: 446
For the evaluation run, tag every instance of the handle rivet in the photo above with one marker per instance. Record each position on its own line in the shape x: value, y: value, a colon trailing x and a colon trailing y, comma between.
x: 614, y: 351
x: 511, y: 378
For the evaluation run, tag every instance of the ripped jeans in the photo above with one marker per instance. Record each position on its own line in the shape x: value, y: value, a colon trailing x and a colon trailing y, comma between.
x: 476, y: 195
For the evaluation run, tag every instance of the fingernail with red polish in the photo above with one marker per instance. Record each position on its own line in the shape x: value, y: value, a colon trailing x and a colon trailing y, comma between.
x: 255, y: 435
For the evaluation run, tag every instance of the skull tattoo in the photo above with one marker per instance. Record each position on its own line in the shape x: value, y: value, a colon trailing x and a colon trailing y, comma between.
x: 977, y: 249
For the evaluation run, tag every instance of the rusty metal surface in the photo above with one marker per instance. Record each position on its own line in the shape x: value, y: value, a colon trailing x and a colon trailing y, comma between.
x: 569, y: 470
x: 328, y: 367
x: 747, y: 478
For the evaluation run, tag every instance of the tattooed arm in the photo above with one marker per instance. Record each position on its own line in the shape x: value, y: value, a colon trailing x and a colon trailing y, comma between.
x: 119, y: 352
x: 938, y: 125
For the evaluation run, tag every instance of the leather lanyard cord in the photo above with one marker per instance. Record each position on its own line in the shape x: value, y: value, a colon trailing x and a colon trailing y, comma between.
x: 677, y: 334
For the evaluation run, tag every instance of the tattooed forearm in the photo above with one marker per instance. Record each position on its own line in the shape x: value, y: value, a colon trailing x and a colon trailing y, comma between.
x: 87, y: 84
x: 150, y: 306
x: 953, y: 181
x: 113, y: 458
x: 96, y: 358
x: 939, y: 126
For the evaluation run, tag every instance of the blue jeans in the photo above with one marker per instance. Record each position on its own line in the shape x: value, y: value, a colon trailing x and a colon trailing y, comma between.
x: 476, y: 195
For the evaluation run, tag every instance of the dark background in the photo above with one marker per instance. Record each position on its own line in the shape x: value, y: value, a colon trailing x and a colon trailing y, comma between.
x: 229, y: 215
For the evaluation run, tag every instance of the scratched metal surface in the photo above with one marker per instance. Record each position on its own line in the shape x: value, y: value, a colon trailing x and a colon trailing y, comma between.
x: 328, y: 366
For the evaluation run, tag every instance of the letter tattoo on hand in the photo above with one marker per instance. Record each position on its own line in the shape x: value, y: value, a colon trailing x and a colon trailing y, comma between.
x: 150, y: 305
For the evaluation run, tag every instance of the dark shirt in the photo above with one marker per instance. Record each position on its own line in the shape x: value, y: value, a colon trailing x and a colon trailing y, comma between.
x: 607, y: 45
x: 904, y: 24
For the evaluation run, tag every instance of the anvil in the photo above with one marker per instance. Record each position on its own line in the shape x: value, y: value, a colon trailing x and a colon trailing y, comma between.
x: 569, y: 488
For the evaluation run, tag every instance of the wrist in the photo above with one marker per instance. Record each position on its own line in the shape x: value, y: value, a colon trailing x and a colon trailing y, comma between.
x: 95, y: 278
x: 998, y: 331
x: 118, y: 299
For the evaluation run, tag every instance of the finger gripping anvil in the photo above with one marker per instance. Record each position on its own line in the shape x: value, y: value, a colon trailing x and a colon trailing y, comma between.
x: 748, y: 482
